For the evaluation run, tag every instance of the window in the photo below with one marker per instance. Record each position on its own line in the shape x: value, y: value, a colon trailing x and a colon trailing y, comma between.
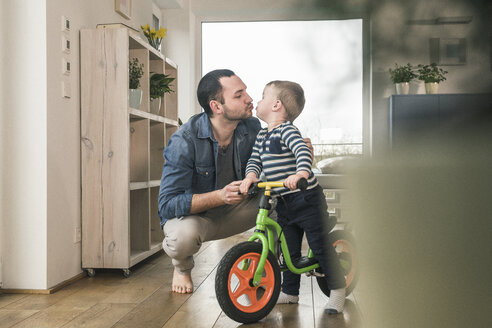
x: 155, y: 22
x: 324, y: 57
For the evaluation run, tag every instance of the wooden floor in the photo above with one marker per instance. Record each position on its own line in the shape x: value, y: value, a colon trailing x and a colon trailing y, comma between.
x: 144, y: 300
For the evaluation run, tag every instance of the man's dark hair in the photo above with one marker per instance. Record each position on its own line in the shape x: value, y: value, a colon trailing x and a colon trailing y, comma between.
x: 210, y: 88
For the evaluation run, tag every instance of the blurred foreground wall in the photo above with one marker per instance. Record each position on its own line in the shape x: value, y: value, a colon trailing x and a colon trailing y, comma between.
x: 424, y: 232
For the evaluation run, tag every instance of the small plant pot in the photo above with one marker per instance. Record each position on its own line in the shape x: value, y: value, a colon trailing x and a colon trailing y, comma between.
x: 402, y: 88
x: 135, y: 98
x: 431, y: 88
x: 155, y: 105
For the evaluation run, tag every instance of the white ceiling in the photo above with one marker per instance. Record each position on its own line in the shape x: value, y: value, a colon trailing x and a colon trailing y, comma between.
x: 220, y: 5
x: 169, y: 4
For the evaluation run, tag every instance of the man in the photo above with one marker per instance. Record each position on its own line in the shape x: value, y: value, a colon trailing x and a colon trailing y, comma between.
x: 204, y: 163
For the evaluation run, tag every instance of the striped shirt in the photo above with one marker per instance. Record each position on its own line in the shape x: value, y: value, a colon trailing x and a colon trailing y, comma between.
x: 280, y: 153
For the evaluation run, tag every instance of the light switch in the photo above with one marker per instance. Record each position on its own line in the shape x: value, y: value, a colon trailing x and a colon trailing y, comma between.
x: 66, y: 45
x: 66, y: 69
x: 65, y: 24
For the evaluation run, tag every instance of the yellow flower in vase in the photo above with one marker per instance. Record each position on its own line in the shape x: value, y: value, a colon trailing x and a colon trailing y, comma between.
x: 161, y: 33
x: 154, y: 37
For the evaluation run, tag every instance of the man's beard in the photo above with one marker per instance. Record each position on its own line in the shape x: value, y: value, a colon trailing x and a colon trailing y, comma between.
x: 233, y: 117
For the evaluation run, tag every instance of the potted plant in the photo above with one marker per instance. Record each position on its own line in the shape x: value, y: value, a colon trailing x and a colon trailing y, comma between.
x: 159, y: 85
x: 432, y: 76
x: 154, y: 37
x: 401, y: 77
x: 135, y: 72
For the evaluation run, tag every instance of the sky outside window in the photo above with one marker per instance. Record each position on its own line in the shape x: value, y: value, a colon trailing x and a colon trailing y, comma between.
x: 324, y: 57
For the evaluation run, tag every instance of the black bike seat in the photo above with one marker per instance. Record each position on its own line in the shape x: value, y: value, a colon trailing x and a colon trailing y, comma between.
x: 301, y: 262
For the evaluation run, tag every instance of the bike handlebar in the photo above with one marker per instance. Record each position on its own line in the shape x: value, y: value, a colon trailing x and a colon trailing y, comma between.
x: 255, y: 187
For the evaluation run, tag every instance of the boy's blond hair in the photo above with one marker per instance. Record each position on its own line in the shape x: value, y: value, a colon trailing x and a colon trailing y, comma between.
x: 291, y: 95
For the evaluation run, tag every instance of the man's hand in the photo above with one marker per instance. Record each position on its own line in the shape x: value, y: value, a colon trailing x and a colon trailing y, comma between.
x: 206, y: 201
x: 310, y: 146
x: 229, y: 194
x: 244, y: 186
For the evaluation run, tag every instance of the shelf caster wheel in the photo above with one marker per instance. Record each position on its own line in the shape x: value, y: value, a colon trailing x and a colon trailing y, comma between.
x: 126, y: 273
x: 91, y: 272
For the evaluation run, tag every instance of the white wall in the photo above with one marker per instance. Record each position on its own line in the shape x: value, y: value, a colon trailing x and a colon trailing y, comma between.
x: 63, y: 153
x: 40, y: 133
x: 23, y: 157
x: 179, y: 45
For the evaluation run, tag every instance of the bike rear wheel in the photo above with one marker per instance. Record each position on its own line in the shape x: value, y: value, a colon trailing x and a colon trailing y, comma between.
x: 344, y: 245
x: 238, y: 298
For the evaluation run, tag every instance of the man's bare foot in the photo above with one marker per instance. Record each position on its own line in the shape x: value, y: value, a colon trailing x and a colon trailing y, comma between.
x: 182, y: 283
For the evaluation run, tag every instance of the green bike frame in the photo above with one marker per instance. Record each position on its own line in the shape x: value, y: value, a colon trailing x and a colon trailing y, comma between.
x: 266, y: 224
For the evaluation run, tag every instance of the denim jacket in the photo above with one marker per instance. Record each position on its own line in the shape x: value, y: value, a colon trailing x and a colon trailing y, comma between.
x: 190, y: 163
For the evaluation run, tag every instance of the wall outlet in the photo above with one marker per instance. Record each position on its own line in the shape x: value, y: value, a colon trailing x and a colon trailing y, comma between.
x: 66, y: 89
x: 77, y: 235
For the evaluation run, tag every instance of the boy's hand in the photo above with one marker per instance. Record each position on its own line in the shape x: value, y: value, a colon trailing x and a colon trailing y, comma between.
x: 291, y: 181
x: 244, y: 186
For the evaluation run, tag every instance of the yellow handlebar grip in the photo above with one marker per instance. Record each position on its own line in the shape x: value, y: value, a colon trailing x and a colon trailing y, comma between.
x: 270, y: 184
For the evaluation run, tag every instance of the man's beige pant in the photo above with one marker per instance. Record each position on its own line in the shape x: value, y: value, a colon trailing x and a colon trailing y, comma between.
x: 184, y: 236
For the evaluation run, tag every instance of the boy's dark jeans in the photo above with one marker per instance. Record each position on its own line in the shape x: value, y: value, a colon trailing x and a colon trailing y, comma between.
x: 304, y: 212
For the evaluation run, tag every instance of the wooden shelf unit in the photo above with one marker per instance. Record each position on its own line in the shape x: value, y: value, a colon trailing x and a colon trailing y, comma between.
x: 121, y: 150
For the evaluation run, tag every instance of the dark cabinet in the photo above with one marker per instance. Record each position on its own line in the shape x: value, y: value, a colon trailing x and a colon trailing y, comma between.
x: 416, y: 119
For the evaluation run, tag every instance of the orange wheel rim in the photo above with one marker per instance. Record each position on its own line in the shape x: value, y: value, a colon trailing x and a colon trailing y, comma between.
x: 239, y: 284
x: 344, y: 246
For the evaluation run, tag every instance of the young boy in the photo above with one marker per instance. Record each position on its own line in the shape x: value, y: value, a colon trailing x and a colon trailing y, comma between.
x: 281, y: 153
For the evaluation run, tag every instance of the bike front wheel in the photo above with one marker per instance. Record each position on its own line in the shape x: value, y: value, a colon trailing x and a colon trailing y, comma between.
x: 237, y: 296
